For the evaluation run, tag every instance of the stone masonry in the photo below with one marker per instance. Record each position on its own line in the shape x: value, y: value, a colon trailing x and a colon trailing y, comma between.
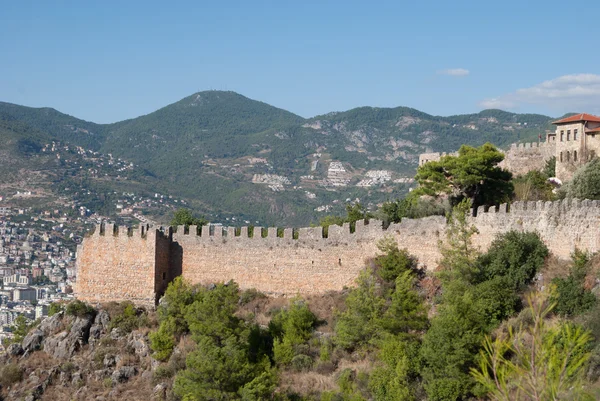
x: 117, y: 264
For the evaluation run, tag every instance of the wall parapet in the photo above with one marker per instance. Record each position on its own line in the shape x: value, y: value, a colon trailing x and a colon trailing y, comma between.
x: 117, y: 263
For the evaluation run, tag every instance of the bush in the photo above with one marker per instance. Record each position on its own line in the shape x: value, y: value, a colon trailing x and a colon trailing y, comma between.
x: 301, y: 363
x: 515, y: 255
x: 570, y: 295
x: 127, y: 318
x: 250, y: 295
x: 394, y: 261
x: 10, y: 375
x: 79, y: 309
x: 162, y: 343
x: 55, y: 307
x: 586, y: 182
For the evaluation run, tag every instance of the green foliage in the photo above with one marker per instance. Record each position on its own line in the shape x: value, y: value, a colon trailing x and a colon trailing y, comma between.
x: 21, y: 327
x: 162, y: 343
x: 401, y: 365
x: 450, y: 348
x: 570, y: 295
x: 542, y: 361
x: 550, y: 167
x: 515, y: 255
x: 291, y: 327
x: 230, y: 360
x: 250, y: 295
x: 374, y: 310
x: 472, y: 175
x: 533, y: 186
x: 413, y: 206
x: 55, y: 307
x: 301, y: 362
x: 459, y: 255
x: 586, y: 182
x: 496, y: 300
x: 364, y: 306
x: 394, y: 261
x: 354, y: 213
x: 184, y: 217
x: 79, y: 309
x: 10, y: 374
x: 127, y: 318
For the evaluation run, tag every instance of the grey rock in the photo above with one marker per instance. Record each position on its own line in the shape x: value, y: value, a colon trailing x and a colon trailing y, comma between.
x: 109, y: 360
x: 33, y: 379
x: 14, y: 350
x: 102, y: 319
x: 33, y: 340
x: 160, y: 391
x: 138, y: 342
x: 123, y: 374
x: 95, y: 332
x: 146, y: 375
x: 52, y: 324
x: 64, y: 344
x: 116, y: 333
x: 100, y: 374
x: 77, y: 378
x: 30, y: 397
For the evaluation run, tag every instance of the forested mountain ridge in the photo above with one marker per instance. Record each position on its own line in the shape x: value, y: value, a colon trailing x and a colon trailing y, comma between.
x: 232, y: 156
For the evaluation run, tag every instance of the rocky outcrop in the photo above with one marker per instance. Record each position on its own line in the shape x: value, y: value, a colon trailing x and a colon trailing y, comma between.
x: 64, y: 344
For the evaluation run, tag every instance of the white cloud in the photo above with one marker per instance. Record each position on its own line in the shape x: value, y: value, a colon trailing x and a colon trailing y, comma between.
x: 455, y: 72
x: 575, y: 92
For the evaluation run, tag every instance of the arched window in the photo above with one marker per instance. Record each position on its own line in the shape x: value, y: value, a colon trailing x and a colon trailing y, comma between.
x: 574, y: 155
x: 568, y: 156
x: 568, y: 135
x: 562, y: 136
x: 560, y: 158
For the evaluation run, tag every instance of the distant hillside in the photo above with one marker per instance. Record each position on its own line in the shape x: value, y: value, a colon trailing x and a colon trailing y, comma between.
x: 231, y: 156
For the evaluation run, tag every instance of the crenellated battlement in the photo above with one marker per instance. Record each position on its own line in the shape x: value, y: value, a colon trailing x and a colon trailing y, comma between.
x: 118, y: 263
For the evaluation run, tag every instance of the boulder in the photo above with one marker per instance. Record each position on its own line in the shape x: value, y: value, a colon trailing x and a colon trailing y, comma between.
x: 102, y: 319
x: 14, y: 350
x: 123, y: 374
x: 64, y: 344
x: 52, y: 324
x: 138, y: 343
x: 33, y: 340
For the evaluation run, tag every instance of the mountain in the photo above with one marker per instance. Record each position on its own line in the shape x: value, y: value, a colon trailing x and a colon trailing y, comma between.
x: 236, y: 158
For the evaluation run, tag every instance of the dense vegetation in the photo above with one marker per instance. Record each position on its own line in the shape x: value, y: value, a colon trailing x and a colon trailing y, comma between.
x: 451, y: 335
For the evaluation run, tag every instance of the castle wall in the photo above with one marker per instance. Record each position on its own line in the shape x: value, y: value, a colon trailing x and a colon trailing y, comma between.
x: 113, y: 265
x: 524, y: 157
x: 121, y: 267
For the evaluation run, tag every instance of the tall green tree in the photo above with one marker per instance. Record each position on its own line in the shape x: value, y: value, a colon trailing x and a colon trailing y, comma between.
x: 473, y: 174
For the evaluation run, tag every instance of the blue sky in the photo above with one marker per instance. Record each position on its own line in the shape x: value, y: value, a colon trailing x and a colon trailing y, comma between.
x: 110, y: 60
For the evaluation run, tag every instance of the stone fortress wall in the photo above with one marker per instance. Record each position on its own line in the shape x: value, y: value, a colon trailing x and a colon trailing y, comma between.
x: 117, y: 264
x: 524, y: 157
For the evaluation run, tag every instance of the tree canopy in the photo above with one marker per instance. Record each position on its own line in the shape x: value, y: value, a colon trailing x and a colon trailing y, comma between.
x: 473, y: 174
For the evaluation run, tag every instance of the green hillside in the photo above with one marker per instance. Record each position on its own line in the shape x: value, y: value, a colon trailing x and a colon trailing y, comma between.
x: 208, y: 148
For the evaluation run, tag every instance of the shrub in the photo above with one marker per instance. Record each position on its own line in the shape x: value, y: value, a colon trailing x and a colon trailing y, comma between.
x: 79, y: 309
x: 250, y: 295
x: 301, y: 362
x: 10, y: 375
x: 55, y: 307
x: 570, y: 295
x: 127, y: 318
x: 394, y: 261
x: 586, y: 182
x: 162, y: 343
x: 516, y: 255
